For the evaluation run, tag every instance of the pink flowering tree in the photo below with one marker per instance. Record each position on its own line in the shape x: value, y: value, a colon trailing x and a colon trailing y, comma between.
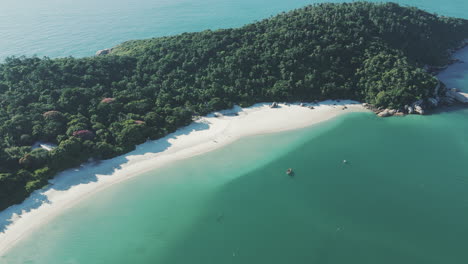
x: 52, y: 114
x: 84, y: 134
x: 107, y: 100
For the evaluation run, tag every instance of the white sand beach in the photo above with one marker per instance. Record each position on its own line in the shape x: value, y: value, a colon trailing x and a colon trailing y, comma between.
x: 203, y: 135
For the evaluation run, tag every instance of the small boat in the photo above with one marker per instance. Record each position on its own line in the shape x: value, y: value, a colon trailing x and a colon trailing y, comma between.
x: 290, y: 172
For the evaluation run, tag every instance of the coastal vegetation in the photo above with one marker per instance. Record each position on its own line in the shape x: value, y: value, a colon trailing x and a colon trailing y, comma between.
x: 101, y: 107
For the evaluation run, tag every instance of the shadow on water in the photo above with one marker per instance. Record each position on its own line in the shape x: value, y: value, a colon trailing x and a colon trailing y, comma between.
x: 89, y: 172
x: 449, y: 109
x: 395, y: 207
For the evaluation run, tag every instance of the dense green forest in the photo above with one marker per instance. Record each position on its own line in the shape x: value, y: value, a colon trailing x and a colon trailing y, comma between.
x: 101, y: 107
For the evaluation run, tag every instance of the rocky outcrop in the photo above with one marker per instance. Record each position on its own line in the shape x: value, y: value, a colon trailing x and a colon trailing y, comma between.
x: 457, y: 96
x: 434, y: 70
x: 418, y: 109
x: 103, y: 52
x: 387, y: 113
x: 409, y: 109
x: 441, y: 95
x: 433, y: 102
x: 447, y: 101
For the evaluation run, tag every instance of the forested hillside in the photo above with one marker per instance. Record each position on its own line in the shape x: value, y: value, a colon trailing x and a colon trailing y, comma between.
x: 100, y: 107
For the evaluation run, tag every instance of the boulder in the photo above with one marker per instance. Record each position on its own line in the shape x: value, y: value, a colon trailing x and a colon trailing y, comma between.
x: 103, y: 52
x: 447, y: 100
x: 385, y: 113
x: 464, y: 96
x: 274, y: 105
x: 419, y: 109
x: 457, y: 96
x: 433, y: 102
x: 410, y: 110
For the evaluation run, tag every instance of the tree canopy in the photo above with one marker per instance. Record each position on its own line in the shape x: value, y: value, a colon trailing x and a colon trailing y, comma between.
x: 101, y: 107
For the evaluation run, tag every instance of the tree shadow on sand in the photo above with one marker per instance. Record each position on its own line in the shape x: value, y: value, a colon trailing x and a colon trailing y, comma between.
x: 89, y: 172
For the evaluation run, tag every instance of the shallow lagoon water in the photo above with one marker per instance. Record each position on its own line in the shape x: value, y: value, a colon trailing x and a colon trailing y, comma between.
x: 400, y: 199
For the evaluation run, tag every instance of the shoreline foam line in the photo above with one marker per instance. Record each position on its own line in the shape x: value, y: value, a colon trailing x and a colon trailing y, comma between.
x: 203, y: 135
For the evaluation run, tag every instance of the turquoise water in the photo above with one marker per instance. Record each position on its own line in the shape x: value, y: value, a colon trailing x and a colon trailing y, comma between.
x: 402, y: 198
x: 58, y: 28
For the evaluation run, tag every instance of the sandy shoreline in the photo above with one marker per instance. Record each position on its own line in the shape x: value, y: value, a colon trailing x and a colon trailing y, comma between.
x: 206, y: 134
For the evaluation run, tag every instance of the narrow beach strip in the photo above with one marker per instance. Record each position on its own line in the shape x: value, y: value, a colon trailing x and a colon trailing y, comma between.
x: 203, y: 135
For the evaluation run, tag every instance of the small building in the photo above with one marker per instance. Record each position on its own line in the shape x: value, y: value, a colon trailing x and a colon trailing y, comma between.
x: 44, y: 145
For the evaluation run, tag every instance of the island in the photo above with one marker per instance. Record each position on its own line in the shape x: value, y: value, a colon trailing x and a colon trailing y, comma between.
x: 96, y: 108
